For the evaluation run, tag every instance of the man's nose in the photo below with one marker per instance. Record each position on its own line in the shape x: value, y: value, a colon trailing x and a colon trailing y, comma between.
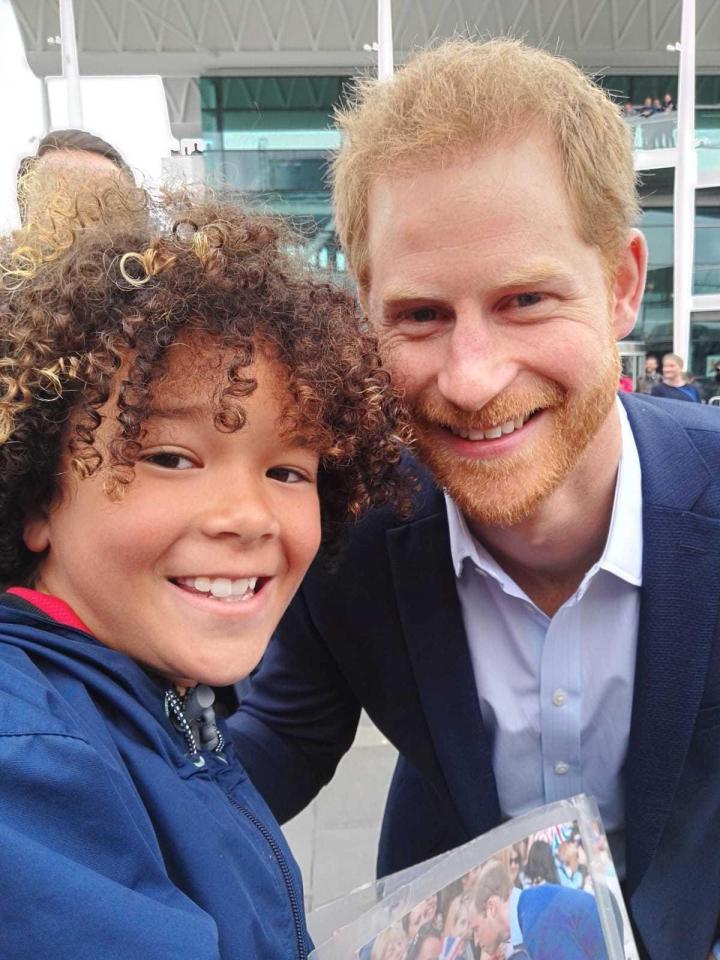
x: 478, y: 362
x: 240, y: 507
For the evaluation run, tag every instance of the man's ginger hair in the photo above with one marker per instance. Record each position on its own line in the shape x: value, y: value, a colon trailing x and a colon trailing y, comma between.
x: 463, y: 95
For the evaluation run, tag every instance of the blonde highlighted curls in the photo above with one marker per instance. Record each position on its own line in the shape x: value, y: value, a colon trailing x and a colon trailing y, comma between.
x: 121, y: 294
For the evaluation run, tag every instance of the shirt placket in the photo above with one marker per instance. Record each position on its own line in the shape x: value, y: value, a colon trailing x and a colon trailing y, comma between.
x: 560, y: 706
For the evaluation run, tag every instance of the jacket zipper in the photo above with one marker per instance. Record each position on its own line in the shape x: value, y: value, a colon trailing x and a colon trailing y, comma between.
x: 284, y: 870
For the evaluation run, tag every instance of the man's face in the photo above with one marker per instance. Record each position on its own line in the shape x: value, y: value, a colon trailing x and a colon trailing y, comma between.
x: 498, y: 321
x: 651, y: 365
x: 671, y: 369
x: 490, y: 927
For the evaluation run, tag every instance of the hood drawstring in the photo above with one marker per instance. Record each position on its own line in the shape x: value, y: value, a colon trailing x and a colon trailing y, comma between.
x: 193, y: 715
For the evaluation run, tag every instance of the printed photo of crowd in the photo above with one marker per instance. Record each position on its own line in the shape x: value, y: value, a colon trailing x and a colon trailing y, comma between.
x: 534, y: 900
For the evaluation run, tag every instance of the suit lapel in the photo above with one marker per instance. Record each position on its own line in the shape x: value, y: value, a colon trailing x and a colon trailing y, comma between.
x: 678, y: 621
x: 435, y: 637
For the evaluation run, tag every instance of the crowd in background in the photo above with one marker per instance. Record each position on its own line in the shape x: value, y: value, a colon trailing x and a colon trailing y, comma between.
x: 649, y: 107
x: 671, y: 381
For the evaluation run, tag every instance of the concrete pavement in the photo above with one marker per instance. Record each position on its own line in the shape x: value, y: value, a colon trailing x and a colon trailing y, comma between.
x: 335, y: 838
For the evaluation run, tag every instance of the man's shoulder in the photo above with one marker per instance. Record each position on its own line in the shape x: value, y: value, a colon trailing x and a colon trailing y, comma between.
x: 654, y: 418
x: 678, y: 444
x: 364, y: 564
x: 369, y: 533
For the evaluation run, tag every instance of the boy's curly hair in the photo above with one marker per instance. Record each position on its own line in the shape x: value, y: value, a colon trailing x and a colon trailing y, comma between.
x: 116, y: 288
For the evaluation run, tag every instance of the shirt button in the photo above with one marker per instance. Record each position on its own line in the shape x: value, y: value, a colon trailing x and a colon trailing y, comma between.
x: 561, y: 768
x: 560, y: 698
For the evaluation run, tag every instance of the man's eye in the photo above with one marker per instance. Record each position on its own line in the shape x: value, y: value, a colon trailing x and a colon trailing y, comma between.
x: 286, y: 475
x: 420, y: 315
x: 169, y: 460
x: 528, y: 299
x: 425, y: 315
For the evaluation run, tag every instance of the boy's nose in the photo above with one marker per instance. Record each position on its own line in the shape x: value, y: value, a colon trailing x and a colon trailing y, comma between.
x: 239, y: 509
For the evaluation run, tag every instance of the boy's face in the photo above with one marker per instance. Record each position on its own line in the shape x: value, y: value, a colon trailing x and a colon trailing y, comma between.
x: 208, y: 514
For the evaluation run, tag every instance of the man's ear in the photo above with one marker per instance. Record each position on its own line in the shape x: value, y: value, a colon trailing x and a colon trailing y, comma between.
x: 629, y: 283
x: 36, y: 532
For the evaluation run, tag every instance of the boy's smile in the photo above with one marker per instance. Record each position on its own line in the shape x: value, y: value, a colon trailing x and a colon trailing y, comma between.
x: 191, y: 570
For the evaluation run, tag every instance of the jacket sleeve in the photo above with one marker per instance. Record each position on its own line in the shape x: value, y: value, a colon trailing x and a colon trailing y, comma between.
x: 298, y: 719
x: 81, y: 876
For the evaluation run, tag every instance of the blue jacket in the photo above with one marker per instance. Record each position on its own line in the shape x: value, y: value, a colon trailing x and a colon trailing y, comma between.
x: 113, y: 843
x: 560, y: 924
x: 386, y: 632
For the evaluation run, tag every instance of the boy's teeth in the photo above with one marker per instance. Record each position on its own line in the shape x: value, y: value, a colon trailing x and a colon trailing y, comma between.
x: 222, y: 588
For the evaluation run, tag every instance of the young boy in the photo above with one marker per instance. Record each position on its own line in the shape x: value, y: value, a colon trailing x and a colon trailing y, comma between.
x: 181, y: 414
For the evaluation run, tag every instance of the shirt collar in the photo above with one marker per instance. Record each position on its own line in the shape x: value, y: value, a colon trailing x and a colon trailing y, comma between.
x: 622, y: 556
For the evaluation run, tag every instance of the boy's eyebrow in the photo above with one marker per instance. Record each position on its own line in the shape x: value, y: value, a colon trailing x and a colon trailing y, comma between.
x: 191, y: 411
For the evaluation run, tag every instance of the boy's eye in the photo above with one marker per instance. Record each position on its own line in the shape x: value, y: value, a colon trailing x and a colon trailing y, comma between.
x: 287, y: 475
x: 169, y: 460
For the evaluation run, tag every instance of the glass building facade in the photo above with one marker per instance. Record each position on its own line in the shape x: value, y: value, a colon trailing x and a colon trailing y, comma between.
x: 271, y: 138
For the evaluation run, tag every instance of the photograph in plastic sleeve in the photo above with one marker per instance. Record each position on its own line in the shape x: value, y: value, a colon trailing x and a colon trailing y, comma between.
x: 533, y: 900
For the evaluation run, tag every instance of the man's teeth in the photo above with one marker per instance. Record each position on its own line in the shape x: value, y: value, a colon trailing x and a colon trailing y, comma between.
x: 492, y: 433
x: 222, y: 588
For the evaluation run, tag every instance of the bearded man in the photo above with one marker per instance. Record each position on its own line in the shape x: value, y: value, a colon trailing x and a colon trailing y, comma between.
x: 545, y: 623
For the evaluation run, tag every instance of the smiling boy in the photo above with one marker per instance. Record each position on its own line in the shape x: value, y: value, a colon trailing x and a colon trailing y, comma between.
x: 183, y: 414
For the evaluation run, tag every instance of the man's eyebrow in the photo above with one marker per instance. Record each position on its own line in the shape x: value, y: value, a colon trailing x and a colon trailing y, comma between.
x: 532, y: 274
x: 409, y: 294
x: 535, y: 273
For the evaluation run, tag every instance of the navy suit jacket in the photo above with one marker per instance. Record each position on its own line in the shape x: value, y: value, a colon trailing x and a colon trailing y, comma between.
x: 385, y: 632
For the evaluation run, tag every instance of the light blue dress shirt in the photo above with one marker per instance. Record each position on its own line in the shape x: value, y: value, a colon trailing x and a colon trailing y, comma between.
x: 556, y: 692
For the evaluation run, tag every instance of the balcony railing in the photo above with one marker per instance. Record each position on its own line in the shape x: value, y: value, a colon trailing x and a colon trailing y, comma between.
x: 659, y: 132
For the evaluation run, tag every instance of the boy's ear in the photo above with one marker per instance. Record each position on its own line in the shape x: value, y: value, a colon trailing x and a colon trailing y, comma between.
x: 36, y: 532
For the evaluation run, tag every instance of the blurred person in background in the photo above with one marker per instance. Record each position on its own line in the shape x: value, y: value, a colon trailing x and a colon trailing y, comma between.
x: 426, y: 944
x: 652, y: 375
x: 61, y: 154
x: 540, y: 866
x: 391, y: 944
x: 675, y: 385
x: 572, y: 873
